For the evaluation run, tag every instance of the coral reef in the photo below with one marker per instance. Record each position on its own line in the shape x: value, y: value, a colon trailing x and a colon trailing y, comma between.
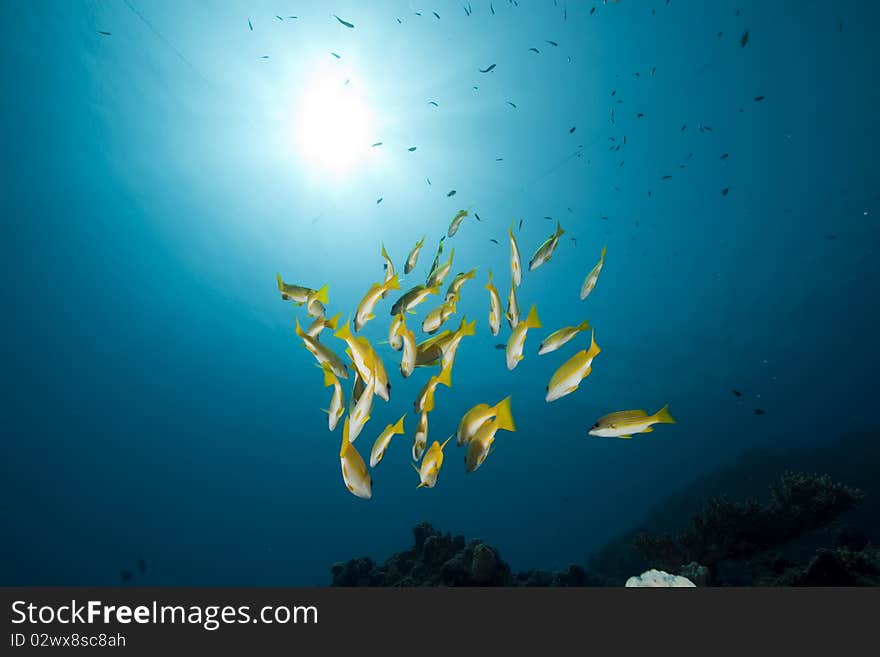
x: 795, y: 538
x: 799, y: 503
x: 851, y: 458
x: 837, y: 567
x: 740, y: 543
x: 438, y: 559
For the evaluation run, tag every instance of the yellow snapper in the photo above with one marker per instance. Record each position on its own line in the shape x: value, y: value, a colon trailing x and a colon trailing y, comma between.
x: 558, y: 338
x: 357, y: 389
x: 430, y: 468
x: 441, y: 271
x: 410, y: 350
x: 476, y: 417
x: 460, y: 279
x: 429, y: 351
x: 545, y: 251
x: 424, y: 403
x: 360, y: 355
x: 436, y: 257
x: 354, y: 470
x: 394, y: 338
x: 412, y: 298
x: 322, y: 353
x: 377, y: 291
x: 296, y: 293
x: 362, y: 409
x: 517, y: 340
x: 320, y: 324
x: 337, y: 401
x: 515, y: 263
x: 512, y: 313
x: 624, y: 424
x: 568, y: 377
x: 494, y: 307
x: 449, y: 347
x: 384, y: 440
x: 456, y: 222
x: 315, y: 302
x: 481, y: 443
x: 593, y: 276
x: 438, y: 316
x: 377, y: 367
x: 420, y: 439
x: 413, y: 257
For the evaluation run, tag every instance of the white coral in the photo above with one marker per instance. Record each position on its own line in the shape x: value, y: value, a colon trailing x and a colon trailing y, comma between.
x: 659, y: 578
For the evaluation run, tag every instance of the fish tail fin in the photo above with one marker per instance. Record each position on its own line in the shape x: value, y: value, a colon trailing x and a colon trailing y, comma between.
x: 329, y: 377
x: 583, y: 326
x: 445, y: 376
x: 384, y: 252
x: 393, y: 283
x: 559, y: 231
x: 298, y: 328
x: 594, y: 350
x: 280, y: 282
x: 322, y: 294
x: 398, y: 426
x: 467, y: 329
x: 503, y: 416
x: 604, y: 249
x: 344, y: 332
x: 663, y: 416
x: 345, y: 441
x: 333, y: 322
x: 533, y: 321
x: 434, y: 289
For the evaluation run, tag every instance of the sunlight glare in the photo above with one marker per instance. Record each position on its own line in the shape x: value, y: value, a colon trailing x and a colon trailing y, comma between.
x: 334, y: 125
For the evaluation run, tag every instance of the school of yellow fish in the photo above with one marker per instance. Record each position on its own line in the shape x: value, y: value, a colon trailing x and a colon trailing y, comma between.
x: 479, y: 425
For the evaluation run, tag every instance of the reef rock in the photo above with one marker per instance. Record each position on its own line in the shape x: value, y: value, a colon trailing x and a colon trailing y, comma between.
x: 438, y: 559
x: 696, y: 573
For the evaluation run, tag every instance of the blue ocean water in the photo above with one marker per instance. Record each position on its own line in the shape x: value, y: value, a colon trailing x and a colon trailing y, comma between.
x: 158, y: 404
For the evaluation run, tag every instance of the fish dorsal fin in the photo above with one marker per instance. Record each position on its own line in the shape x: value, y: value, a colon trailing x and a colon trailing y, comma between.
x: 625, y: 415
x: 397, y: 428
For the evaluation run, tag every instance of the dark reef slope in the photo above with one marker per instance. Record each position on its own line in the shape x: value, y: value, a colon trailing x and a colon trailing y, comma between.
x: 853, y: 460
x: 438, y: 559
x: 813, y: 530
